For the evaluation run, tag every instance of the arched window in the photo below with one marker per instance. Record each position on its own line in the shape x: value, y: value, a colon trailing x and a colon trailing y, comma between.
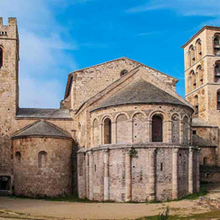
x: 217, y: 44
x: 95, y: 132
x: 157, y: 128
x: 190, y: 81
x: 199, y: 75
x: 217, y: 72
x: 185, y: 130
x: 107, y: 131
x: 175, y: 129
x: 218, y: 100
x: 194, y: 83
x: 199, y: 49
x: 192, y: 57
x: 205, y: 159
x: 1, y: 57
x: 196, y: 104
x: 18, y: 156
x: 42, y: 159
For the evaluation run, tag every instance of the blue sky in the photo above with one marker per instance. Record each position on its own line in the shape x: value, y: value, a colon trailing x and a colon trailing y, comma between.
x: 60, y: 36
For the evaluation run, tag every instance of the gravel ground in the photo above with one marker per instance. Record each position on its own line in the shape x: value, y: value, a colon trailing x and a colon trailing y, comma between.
x: 40, y: 209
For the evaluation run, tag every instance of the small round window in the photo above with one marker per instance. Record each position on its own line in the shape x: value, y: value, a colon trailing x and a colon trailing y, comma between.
x: 123, y: 72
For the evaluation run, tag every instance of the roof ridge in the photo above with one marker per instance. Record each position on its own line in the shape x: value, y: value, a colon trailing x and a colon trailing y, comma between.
x: 121, y: 58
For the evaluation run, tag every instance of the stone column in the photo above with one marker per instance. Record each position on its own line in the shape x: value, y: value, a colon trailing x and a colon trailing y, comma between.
x: 149, y: 130
x: 114, y: 132
x: 189, y: 134
x: 175, y: 174
x: 198, y: 172
x: 106, y: 175
x: 128, y: 186
x: 191, y: 171
x: 87, y: 174
x: 130, y: 131
x: 101, y: 140
x: 151, y: 188
x: 181, y: 131
x: 169, y: 131
x: 90, y: 183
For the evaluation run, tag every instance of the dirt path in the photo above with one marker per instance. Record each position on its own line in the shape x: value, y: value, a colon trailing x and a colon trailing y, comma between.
x: 66, y: 210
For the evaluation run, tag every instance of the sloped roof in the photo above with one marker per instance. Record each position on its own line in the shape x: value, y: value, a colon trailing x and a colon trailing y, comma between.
x: 198, y: 122
x: 199, y: 141
x: 43, y: 113
x: 140, y: 92
x: 41, y: 128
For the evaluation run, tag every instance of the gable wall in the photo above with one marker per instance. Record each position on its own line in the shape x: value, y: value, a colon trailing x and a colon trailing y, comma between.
x: 90, y: 81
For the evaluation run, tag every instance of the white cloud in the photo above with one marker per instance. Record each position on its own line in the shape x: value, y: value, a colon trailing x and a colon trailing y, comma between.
x: 184, y: 7
x: 43, y: 51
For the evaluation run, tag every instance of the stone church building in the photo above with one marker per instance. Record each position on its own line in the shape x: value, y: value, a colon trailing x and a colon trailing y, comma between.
x: 122, y: 133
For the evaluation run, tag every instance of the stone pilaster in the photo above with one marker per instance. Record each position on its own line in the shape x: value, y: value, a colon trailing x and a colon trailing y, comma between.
x: 149, y: 130
x: 114, y: 132
x: 91, y: 168
x: 198, y: 172
x: 101, y: 136
x: 191, y: 171
x: 87, y: 174
x: 130, y: 131
x: 181, y: 132
x: 151, y: 189
x: 175, y: 174
x: 169, y: 131
x: 189, y: 134
x: 128, y: 186
x: 106, y: 175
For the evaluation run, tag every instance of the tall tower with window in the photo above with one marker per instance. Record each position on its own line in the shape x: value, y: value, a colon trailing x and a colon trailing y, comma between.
x: 202, y: 85
x: 9, y: 59
x: 202, y: 73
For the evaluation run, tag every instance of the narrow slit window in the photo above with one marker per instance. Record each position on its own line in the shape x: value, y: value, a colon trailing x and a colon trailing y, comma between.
x: 1, y: 57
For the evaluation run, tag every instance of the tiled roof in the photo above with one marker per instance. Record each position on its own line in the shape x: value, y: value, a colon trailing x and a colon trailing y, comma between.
x: 41, y: 128
x: 43, y: 113
x: 140, y: 92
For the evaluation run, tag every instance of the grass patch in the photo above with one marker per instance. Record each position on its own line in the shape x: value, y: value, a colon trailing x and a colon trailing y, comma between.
x: 204, y: 216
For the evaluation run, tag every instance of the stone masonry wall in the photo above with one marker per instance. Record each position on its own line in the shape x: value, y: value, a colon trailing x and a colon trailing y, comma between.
x: 90, y: 81
x: 156, y: 172
x: 8, y: 91
x: 53, y: 178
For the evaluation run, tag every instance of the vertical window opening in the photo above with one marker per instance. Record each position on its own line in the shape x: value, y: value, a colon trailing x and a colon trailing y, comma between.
x: 18, y: 156
x: 218, y: 100
x: 196, y: 104
x: 157, y: 129
x: 107, y: 131
x: 217, y: 72
x: 42, y: 159
x: 161, y: 167
x: 217, y: 45
x: 1, y: 57
x: 205, y: 161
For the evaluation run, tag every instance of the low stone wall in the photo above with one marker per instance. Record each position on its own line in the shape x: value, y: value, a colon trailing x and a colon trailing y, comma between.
x: 42, y: 167
x: 138, y: 172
